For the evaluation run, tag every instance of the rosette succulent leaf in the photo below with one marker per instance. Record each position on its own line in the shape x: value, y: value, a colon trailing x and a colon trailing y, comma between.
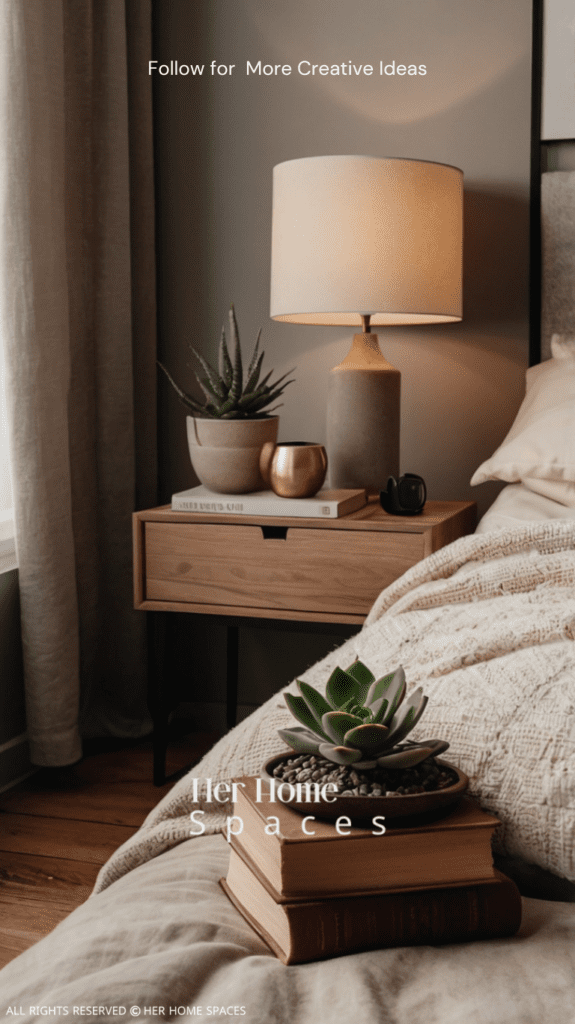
x: 361, y: 720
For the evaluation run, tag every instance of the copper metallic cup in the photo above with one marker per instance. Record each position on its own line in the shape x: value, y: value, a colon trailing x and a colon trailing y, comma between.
x: 293, y: 469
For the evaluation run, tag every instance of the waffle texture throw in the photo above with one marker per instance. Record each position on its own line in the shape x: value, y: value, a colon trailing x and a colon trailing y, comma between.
x: 486, y: 625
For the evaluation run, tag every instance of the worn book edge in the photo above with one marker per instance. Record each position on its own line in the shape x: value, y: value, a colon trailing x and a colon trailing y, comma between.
x: 500, y: 885
x: 321, y: 897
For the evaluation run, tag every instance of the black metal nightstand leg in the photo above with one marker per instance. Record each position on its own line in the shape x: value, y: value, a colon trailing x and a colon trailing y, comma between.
x: 158, y: 697
x: 232, y: 663
x: 160, y: 748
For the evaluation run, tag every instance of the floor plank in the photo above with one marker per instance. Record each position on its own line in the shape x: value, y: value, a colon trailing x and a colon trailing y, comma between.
x: 29, y: 912
x: 58, y: 829
x: 113, y: 803
x: 36, y: 909
x: 31, y: 869
x: 88, y: 841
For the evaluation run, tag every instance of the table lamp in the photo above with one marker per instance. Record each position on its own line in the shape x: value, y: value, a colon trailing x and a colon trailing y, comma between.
x: 370, y: 241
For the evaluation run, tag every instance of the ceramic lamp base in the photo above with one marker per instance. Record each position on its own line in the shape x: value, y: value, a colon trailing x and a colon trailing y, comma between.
x: 363, y: 418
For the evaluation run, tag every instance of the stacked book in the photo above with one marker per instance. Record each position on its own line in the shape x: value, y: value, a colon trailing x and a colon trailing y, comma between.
x: 312, y: 896
x: 329, y: 504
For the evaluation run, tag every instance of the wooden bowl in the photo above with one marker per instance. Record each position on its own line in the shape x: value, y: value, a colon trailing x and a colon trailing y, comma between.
x: 361, y: 808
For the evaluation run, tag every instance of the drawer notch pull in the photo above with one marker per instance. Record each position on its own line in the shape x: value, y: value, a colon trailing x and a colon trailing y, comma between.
x: 274, y: 532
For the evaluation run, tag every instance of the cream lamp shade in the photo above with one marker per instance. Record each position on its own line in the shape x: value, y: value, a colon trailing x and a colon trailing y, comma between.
x: 372, y: 240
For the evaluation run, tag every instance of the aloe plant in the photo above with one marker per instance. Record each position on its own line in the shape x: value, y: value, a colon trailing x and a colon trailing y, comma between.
x: 361, y: 720
x: 228, y: 392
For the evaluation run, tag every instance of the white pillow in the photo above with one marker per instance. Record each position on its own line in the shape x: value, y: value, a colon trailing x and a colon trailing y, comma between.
x: 539, y: 450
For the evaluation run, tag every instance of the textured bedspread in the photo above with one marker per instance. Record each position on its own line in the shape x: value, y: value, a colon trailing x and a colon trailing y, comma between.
x: 165, y: 939
x: 487, y: 625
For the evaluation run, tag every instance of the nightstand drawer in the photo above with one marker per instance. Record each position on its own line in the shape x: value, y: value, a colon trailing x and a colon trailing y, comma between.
x: 236, y: 566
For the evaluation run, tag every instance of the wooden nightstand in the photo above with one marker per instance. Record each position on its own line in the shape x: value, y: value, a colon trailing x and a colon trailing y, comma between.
x: 256, y: 567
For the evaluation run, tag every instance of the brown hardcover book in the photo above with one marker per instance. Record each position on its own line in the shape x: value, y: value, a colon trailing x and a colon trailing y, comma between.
x: 454, y: 849
x: 302, y: 930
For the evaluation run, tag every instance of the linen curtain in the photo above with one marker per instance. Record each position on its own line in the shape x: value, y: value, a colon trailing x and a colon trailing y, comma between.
x: 77, y: 313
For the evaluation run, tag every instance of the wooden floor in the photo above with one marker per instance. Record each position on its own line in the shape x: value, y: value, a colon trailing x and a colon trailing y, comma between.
x: 59, y: 826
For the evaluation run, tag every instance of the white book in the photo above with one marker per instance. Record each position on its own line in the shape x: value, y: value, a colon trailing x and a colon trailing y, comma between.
x: 323, y: 505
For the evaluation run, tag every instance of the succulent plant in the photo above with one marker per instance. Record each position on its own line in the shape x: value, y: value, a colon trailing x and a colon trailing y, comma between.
x: 361, y: 720
x: 229, y: 394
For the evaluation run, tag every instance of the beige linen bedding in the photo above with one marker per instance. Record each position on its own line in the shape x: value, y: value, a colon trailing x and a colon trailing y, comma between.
x: 165, y: 939
x: 486, y: 625
x: 517, y: 504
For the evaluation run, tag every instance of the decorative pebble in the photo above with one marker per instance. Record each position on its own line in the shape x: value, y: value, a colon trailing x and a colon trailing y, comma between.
x: 424, y: 777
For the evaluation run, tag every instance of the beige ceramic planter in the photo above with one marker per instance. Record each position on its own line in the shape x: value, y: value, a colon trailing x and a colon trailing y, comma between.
x: 225, y: 454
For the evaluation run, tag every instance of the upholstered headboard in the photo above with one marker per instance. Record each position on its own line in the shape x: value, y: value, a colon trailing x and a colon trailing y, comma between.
x: 557, y: 256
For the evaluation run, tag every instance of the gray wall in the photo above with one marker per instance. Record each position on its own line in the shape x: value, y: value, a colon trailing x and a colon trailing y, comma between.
x: 219, y: 137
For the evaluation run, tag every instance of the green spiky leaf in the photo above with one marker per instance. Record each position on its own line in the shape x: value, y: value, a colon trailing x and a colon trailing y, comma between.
x: 251, y: 398
x: 253, y: 376
x: 260, y: 403
x: 224, y: 362
x: 238, y: 375
x: 209, y: 392
x: 186, y: 399
x: 227, y: 395
x: 255, y: 361
x: 215, y: 382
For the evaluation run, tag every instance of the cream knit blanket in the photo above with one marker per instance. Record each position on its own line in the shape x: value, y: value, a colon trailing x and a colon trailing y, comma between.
x: 486, y: 625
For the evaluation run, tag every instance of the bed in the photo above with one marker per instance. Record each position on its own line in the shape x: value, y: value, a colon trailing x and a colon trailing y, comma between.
x: 487, y: 625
